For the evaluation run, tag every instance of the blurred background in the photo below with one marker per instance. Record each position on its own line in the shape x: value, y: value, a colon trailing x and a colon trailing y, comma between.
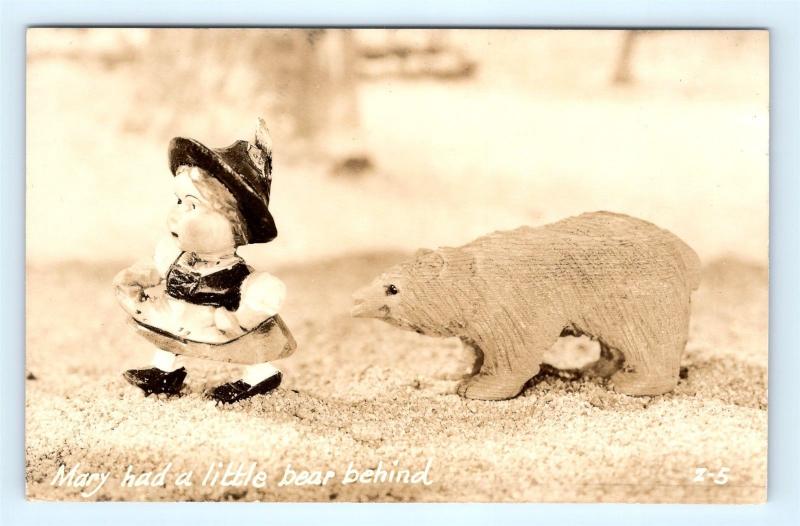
x: 396, y: 139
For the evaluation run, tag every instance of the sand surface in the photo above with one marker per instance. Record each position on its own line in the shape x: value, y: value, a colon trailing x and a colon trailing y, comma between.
x: 360, y: 391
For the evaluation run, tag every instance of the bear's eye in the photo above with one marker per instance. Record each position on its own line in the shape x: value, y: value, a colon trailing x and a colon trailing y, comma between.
x: 391, y: 290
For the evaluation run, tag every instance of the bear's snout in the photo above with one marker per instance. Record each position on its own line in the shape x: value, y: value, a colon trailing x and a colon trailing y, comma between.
x: 370, y: 302
x: 358, y: 310
x: 360, y: 307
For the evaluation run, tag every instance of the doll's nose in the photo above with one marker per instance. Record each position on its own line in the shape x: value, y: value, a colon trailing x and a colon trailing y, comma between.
x: 172, y: 219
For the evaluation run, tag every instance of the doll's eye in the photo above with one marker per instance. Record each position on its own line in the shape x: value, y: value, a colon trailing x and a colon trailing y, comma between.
x: 194, y: 206
x: 391, y: 290
x: 180, y: 202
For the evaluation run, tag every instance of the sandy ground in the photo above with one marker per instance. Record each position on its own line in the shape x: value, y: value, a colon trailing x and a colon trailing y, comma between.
x: 360, y: 391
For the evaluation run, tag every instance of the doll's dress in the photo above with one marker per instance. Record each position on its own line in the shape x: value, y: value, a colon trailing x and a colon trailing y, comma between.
x: 178, y: 315
x: 185, y: 302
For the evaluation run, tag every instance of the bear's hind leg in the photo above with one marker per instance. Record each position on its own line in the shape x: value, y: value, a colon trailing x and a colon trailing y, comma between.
x: 489, y: 386
x: 649, y: 369
x: 653, y: 351
x: 642, y: 383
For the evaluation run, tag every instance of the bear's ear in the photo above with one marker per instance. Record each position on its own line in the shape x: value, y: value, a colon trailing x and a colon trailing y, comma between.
x: 427, y: 264
x: 421, y: 252
x: 457, y: 263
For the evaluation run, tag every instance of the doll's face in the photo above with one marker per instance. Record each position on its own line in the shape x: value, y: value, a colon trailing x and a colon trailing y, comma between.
x: 193, y: 221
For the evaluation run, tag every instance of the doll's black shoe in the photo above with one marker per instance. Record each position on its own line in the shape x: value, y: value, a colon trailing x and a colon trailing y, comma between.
x: 241, y: 390
x: 156, y: 381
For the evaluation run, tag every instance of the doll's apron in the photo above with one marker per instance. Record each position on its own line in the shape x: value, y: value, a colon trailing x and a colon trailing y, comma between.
x: 221, y: 288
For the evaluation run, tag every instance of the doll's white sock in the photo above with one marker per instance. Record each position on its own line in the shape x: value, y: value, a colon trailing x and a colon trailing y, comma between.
x: 164, y: 360
x: 257, y: 373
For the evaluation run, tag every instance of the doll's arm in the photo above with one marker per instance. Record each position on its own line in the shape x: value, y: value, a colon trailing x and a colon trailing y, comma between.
x: 130, y: 285
x: 144, y: 275
x: 137, y: 276
x: 262, y: 297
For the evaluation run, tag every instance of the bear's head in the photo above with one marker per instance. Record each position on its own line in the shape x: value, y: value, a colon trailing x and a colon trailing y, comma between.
x: 418, y: 294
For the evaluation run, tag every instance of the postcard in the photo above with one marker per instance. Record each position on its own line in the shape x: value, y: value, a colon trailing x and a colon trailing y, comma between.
x: 397, y: 265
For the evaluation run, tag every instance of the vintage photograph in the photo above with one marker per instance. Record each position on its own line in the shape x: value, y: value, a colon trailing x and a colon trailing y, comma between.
x: 397, y: 265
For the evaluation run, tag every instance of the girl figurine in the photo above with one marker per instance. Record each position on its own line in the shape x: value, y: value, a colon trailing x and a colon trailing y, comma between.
x: 198, y: 297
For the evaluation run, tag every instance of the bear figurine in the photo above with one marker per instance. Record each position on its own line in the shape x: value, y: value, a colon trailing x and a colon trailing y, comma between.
x: 510, y: 295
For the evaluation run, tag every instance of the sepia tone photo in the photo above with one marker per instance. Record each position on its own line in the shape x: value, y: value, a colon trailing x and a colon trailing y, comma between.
x: 397, y: 265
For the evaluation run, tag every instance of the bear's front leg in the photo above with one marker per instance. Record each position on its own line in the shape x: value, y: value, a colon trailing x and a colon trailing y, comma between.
x: 507, y: 366
x: 492, y: 386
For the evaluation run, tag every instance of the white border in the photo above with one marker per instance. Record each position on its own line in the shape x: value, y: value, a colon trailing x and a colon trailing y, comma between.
x: 781, y: 17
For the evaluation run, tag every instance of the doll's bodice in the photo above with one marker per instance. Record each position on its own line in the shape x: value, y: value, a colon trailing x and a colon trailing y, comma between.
x: 193, y: 280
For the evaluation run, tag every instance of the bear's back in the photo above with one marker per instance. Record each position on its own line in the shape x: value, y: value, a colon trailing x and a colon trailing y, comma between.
x: 590, y: 248
x: 581, y: 228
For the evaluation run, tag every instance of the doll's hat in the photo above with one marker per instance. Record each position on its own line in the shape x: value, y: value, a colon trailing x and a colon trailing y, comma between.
x: 246, y: 171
